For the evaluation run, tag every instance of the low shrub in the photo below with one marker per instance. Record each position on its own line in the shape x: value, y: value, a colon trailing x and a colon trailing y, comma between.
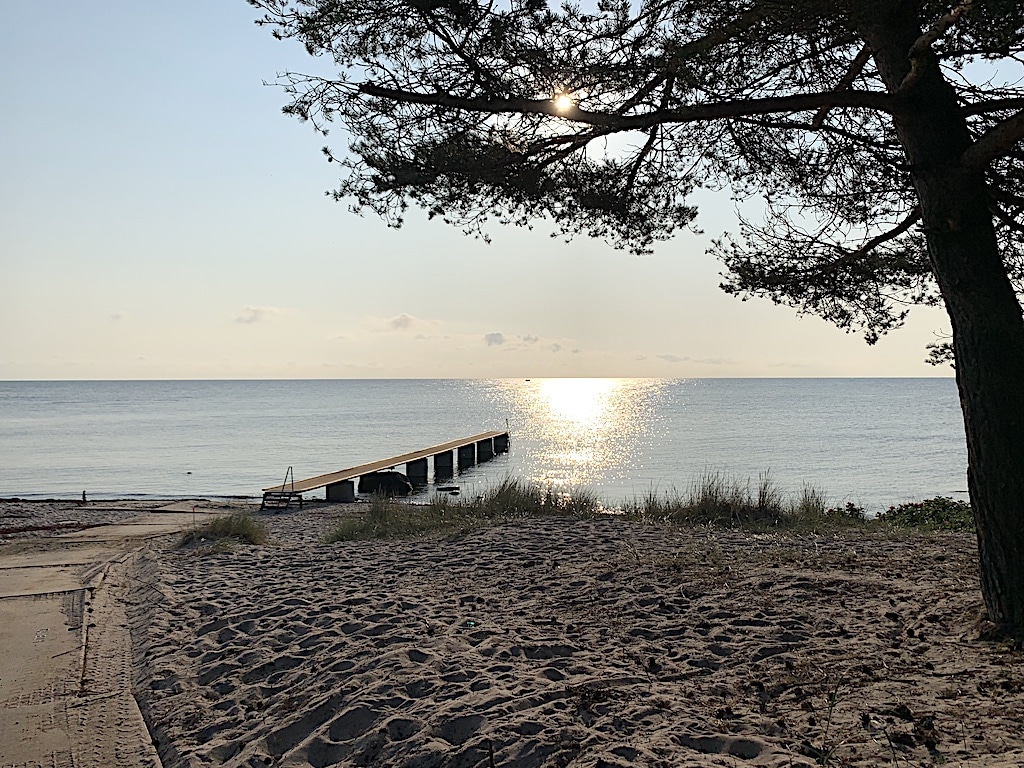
x: 849, y: 511
x: 940, y: 513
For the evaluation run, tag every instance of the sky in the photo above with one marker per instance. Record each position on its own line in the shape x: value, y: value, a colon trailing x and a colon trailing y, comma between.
x: 161, y: 219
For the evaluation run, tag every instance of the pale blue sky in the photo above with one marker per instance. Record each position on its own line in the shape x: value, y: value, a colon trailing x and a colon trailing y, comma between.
x: 160, y: 218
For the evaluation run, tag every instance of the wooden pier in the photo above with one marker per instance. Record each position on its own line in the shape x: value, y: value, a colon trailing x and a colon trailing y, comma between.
x: 467, y: 451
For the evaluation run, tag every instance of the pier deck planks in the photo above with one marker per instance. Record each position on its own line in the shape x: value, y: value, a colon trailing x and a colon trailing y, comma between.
x: 312, y: 483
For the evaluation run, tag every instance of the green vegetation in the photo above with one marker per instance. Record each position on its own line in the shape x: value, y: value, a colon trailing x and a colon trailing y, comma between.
x: 511, y: 499
x: 719, y: 501
x: 514, y: 498
x: 712, y: 500
x: 849, y: 510
x: 239, y: 526
x: 389, y: 519
x: 941, y: 513
x: 716, y: 500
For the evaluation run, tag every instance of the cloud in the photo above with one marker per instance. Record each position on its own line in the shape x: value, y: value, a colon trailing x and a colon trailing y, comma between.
x: 556, y: 347
x: 401, y: 322
x: 518, y: 342
x: 250, y: 314
x: 434, y: 336
x: 118, y: 316
x: 700, y: 360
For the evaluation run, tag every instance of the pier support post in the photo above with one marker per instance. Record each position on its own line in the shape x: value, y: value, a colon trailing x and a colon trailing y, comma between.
x: 484, y: 450
x: 444, y: 465
x: 342, y: 493
x: 416, y: 471
x: 467, y: 456
x: 501, y: 443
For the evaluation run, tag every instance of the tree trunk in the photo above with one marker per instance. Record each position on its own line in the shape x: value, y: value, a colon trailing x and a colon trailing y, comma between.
x: 986, y: 318
x: 988, y: 344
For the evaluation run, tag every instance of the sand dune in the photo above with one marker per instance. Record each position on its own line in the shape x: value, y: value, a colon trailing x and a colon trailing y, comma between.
x: 558, y: 642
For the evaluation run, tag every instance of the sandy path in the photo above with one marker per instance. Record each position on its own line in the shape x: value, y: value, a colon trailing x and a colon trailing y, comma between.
x: 595, y: 644
x: 65, y: 668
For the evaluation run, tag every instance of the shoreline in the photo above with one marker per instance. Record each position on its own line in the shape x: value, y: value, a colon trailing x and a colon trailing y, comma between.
x: 558, y: 641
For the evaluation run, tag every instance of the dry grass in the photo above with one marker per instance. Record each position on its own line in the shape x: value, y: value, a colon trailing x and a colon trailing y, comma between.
x: 239, y: 526
x: 716, y: 500
x: 511, y: 499
x: 713, y: 500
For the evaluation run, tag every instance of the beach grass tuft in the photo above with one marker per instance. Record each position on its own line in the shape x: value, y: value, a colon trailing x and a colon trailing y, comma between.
x: 239, y: 526
x: 386, y: 518
x: 811, y: 502
x: 515, y: 498
x: 511, y: 499
x: 714, y: 499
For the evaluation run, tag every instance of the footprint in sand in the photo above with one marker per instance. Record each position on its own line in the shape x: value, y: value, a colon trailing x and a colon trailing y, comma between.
x: 459, y: 729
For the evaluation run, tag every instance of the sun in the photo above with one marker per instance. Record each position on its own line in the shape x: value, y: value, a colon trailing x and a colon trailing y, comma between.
x: 563, y: 102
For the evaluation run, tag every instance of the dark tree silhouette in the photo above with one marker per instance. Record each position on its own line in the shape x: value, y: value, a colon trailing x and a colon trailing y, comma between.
x: 884, y: 137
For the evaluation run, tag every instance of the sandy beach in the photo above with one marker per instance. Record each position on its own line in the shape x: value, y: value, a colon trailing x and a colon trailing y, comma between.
x: 66, y: 673
x: 558, y: 642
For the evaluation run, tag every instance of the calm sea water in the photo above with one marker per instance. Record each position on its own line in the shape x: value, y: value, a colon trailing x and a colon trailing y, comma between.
x: 872, y: 441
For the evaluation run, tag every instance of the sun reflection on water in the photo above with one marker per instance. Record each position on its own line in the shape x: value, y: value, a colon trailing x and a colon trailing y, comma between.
x: 578, y: 403
x: 576, y: 432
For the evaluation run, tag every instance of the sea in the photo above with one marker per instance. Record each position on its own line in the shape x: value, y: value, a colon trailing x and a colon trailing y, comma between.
x: 871, y: 441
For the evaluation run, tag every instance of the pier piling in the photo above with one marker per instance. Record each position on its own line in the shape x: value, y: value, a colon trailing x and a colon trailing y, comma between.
x: 444, y: 465
x: 485, y: 450
x: 416, y: 471
x: 467, y: 456
x: 342, y: 493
